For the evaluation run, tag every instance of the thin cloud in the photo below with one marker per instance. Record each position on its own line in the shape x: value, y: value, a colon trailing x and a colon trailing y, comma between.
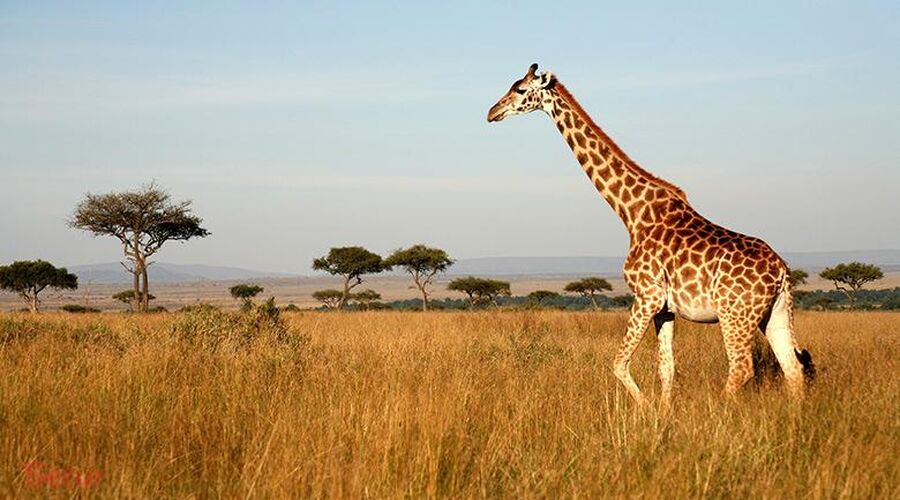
x: 724, y: 75
x: 49, y: 96
x: 387, y: 184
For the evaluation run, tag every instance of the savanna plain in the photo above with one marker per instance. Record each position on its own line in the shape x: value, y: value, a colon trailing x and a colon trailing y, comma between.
x: 511, y: 404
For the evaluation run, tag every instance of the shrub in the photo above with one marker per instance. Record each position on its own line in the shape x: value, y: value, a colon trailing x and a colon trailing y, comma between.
x: 892, y: 303
x: 197, y: 307
x: 215, y: 330
x: 78, y: 309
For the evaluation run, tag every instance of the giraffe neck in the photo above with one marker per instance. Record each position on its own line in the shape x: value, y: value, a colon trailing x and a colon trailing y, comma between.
x: 627, y: 188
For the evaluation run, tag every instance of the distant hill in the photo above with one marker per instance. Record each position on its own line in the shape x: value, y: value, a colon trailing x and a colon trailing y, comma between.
x: 537, y: 266
x: 161, y: 272
x: 888, y: 260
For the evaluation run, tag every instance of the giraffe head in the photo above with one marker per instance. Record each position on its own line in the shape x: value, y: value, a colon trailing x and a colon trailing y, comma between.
x: 525, y: 95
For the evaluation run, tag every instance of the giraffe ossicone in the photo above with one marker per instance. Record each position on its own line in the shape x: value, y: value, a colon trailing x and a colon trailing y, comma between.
x: 679, y: 263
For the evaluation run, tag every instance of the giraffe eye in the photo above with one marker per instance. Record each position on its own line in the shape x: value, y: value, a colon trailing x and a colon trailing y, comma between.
x: 519, y: 91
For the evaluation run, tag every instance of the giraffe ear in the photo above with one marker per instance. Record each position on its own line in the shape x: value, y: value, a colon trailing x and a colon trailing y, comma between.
x: 531, y: 70
x: 548, y: 80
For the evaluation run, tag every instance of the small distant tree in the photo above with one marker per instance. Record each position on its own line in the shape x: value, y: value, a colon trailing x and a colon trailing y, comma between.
x: 625, y: 300
x: 143, y: 221
x: 539, y: 296
x: 823, y: 302
x: 29, y: 278
x: 468, y: 285
x: 351, y: 263
x: 800, y: 296
x: 330, y: 298
x: 78, y: 309
x: 127, y: 297
x: 850, y: 278
x: 423, y: 264
x: 589, y: 288
x: 480, y: 290
x: 892, y: 303
x: 366, y: 298
x: 245, y: 293
x: 797, y: 277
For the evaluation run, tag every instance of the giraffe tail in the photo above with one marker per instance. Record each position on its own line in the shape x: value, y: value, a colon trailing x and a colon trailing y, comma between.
x: 803, y: 355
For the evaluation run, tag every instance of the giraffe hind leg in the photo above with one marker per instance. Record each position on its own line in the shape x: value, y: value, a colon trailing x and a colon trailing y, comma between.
x: 665, y: 327
x: 738, y: 331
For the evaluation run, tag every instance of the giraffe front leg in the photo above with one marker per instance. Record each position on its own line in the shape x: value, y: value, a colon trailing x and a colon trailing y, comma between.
x: 665, y: 329
x: 643, y: 310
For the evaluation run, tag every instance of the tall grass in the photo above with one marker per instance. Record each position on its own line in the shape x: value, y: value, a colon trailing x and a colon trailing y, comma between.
x: 386, y: 404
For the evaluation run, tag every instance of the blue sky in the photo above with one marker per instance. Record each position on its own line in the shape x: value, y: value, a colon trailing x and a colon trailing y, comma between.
x: 296, y: 126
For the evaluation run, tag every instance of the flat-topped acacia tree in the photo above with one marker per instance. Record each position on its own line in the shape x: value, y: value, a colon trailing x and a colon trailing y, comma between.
x: 539, y: 296
x: 29, y: 278
x: 245, y: 294
x: 350, y: 263
x: 365, y: 299
x: 589, y: 288
x: 797, y: 277
x: 143, y: 220
x: 480, y: 290
x: 850, y: 278
x: 330, y: 297
x: 423, y: 264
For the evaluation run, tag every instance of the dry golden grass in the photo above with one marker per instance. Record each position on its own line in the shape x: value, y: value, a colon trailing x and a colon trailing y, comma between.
x: 493, y: 404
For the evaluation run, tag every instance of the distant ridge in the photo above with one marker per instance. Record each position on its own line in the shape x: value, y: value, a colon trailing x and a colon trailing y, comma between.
x: 161, y: 272
x: 537, y: 266
x: 888, y: 260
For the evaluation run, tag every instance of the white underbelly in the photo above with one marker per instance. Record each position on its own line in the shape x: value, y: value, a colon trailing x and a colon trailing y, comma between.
x: 700, y: 309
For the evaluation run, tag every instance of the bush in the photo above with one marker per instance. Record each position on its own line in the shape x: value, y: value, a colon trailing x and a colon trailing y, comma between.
x: 78, y: 309
x: 892, y: 303
x: 202, y: 306
x: 213, y: 329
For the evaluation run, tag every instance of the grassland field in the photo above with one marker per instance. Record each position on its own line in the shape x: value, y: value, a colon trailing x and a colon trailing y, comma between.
x: 500, y: 404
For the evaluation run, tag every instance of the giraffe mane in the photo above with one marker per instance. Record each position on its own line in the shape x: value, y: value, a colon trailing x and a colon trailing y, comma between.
x: 576, y: 107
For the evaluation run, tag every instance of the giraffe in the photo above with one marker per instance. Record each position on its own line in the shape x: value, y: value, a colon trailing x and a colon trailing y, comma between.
x: 679, y: 263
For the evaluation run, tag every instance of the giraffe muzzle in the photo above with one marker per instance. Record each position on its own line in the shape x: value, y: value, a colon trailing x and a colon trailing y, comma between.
x: 495, y: 114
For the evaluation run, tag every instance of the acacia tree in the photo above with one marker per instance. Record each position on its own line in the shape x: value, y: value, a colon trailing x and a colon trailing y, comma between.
x: 624, y: 301
x: 351, y: 263
x: 29, y: 278
x: 850, y: 278
x: 331, y: 298
x: 797, y: 277
x: 589, y: 288
x: 366, y: 298
x: 127, y: 297
x: 480, y: 290
x: 539, y: 296
x: 823, y: 303
x: 245, y: 293
x: 423, y: 264
x: 143, y: 221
